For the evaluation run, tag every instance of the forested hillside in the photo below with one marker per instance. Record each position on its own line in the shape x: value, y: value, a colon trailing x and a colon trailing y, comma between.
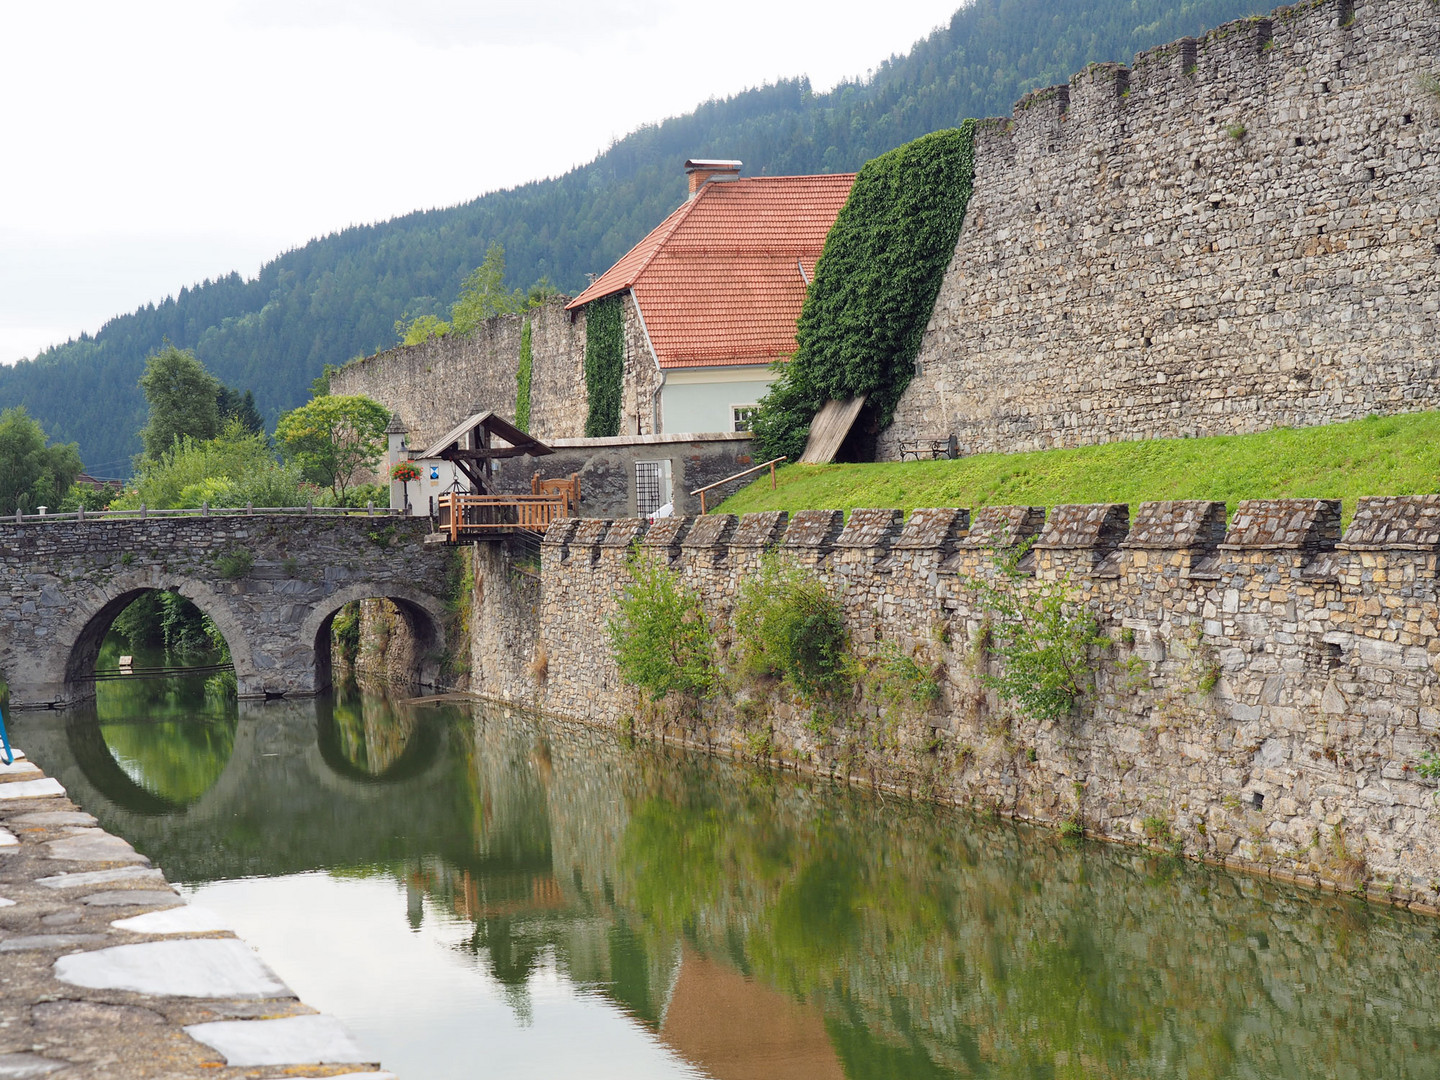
x: 339, y: 297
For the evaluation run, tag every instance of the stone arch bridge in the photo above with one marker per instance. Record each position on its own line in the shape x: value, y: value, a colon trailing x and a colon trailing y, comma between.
x: 272, y: 583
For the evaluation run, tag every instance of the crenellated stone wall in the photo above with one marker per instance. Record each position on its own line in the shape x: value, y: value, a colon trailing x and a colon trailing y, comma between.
x: 1232, y: 234
x: 1267, y: 690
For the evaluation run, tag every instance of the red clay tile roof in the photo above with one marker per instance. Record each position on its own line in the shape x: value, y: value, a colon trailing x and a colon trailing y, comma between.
x: 718, y: 281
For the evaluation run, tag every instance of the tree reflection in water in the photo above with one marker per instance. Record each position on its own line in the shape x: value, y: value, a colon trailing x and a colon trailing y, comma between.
x: 171, y: 737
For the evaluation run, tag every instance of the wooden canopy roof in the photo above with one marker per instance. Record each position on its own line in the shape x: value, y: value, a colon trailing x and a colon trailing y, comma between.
x: 470, y: 445
x: 476, y: 430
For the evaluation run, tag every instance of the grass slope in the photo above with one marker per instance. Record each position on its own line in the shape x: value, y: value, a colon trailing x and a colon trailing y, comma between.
x: 1393, y: 455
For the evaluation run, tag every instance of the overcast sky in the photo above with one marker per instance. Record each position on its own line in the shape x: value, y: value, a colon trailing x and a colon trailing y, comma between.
x: 151, y: 145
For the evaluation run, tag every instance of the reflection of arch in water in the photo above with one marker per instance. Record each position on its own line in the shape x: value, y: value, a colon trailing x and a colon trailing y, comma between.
x: 92, y: 615
x: 424, y: 616
x: 93, y: 755
x: 422, y: 748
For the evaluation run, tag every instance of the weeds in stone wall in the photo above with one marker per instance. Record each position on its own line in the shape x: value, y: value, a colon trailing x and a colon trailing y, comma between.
x: 1042, y: 637
x: 1236, y: 131
x: 459, y: 608
x: 234, y: 564
x: 661, y: 636
x: 788, y: 626
x: 901, y: 679
x: 1160, y: 832
x: 1429, y: 84
x: 345, y: 633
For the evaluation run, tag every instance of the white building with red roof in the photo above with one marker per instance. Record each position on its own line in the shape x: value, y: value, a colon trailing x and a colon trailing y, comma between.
x: 712, y: 295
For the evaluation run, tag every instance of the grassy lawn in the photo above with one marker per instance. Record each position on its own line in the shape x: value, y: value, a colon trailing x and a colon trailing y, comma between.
x: 1393, y: 455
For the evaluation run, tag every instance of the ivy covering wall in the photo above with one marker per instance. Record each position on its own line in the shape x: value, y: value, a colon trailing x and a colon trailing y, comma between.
x: 604, y: 364
x: 875, y: 285
x: 522, y: 380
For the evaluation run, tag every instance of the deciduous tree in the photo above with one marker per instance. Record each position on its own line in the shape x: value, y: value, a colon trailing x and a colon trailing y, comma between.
x: 183, y: 398
x: 32, y: 473
x: 334, y: 438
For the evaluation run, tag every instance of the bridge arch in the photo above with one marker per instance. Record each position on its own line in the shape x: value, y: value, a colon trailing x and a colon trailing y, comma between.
x: 84, y: 627
x: 424, y: 616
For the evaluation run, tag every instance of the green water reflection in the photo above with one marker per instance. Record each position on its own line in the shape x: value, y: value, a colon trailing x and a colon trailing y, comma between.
x: 170, y: 737
x: 758, y: 925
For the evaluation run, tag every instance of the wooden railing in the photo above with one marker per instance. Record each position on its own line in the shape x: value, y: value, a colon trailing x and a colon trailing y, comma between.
x: 462, y: 514
x: 746, y: 472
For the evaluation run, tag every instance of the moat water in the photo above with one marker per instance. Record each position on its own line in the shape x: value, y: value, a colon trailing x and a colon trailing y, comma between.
x: 480, y: 894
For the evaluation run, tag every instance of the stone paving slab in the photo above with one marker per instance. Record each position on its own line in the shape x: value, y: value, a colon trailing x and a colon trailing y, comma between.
x: 200, y: 967
x: 141, y: 980
x: 19, y: 767
x: 31, y: 789
x: 133, y: 898
x: 137, y: 875
x: 56, y: 817
x: 189, y: 919
x: 321, y: 1040
x: 93, y: 845
x: 26, y: 1066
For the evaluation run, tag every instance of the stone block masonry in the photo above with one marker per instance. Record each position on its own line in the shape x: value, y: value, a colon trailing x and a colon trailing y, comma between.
x: 1267, y: 695
x: 1232, y: 234
x: 436, y: 384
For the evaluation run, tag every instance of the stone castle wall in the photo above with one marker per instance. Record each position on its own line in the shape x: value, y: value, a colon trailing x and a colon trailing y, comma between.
x: 1235, y: 233
x: 1267, y: 694
x: 436, y: 384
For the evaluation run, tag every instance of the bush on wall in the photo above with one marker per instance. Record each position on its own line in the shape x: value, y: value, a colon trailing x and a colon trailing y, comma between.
x: 661, y: 635
x: 787, y: 625
x: 604, y: 365
x: 875, y: 286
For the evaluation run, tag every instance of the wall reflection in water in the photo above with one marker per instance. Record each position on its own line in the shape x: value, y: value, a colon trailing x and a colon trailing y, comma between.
x: 754, y: 925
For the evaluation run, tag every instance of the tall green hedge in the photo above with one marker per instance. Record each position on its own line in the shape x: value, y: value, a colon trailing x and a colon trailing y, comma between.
x: 604, y: 364
x: 522, y: 380
x: 874, y: 287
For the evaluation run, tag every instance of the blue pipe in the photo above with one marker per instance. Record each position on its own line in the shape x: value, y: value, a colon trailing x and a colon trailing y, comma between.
x: 5, y: 740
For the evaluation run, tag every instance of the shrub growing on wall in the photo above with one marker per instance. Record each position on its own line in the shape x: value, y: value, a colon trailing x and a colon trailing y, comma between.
x: 522, y: 379
x: 875, y: 286
x: 788, y: 625
x: 604, y: 365
x: 661, y: 635
x: 1042, y: 637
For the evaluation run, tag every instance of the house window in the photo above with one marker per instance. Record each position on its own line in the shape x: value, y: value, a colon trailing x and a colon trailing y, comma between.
x: 742, y: 415
x: 652, y: 486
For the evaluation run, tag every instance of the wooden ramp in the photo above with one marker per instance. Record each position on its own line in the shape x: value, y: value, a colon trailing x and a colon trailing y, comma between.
x: 828, y: 430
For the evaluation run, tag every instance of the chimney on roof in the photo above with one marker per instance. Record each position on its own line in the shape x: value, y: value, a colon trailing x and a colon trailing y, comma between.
x: 702, y: 171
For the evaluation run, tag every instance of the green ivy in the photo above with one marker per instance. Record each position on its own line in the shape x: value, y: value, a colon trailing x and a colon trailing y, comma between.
x: 875, y: 286
x: 604, y: 365
x: 522, y: 380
